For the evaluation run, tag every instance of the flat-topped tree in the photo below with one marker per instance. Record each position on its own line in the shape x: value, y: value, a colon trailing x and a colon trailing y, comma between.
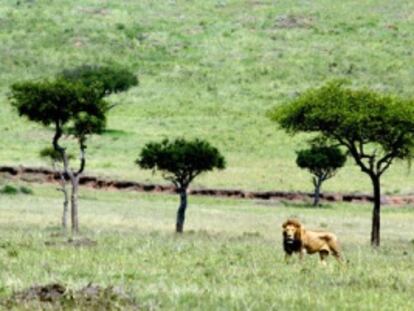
x: 375, y: 129
x: 322, y: 162
x: 71, y: 109
x: 180, y: 161
x: 73, y: 104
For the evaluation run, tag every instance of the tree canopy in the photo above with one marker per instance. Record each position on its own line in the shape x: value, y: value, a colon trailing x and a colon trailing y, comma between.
x: 181, y: 161
x: 71, y: 106
x: 111, y: 79
x: 321, y: 160
x: 376, y: 128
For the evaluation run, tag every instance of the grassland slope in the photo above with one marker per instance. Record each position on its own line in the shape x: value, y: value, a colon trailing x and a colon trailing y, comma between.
x: 208, y: 69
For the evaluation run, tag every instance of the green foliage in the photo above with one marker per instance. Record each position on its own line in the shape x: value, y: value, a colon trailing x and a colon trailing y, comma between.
x: 25, y: 190
x: 111, y: 79
x: 321, y: 161
x: 180, y: 160
x: 46, y: 101
x: 8, y: 189
x: 87, y: 124
x: 352, y: 117
x: 49, y: 153
x: 12, y: 190
x: 71, y: 106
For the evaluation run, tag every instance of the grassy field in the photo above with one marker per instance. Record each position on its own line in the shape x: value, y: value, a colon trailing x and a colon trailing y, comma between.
x: 208, y: 69
x: 229, y: 258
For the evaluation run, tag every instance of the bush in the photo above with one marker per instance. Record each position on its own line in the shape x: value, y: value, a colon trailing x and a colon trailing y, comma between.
x: 26, y: 190
x: 7, y: 189
x: 11, y: 190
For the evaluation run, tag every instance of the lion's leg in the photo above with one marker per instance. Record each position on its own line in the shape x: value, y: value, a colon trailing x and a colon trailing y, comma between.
x: 335, y: 252
x: 323, y: 254
x: 301, y: 253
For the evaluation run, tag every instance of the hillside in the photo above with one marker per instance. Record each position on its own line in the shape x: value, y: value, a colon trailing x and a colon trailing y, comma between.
x: 208, y: 69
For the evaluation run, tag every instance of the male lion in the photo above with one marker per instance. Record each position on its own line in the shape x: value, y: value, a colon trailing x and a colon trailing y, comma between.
x: 298, y: 240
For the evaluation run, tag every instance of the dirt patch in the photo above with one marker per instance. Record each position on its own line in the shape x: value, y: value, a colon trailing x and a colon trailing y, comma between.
x: 293, y: 21
x: 84, y: 242
x: 57, y: 296
x: 95, y: 11
x: 48, y: 175
x: 46, y: 293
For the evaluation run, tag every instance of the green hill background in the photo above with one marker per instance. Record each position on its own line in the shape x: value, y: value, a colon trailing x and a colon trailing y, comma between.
x: 208, y: 69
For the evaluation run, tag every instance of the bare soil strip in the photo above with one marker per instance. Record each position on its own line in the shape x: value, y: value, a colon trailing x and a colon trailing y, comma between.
x: 41, y: 175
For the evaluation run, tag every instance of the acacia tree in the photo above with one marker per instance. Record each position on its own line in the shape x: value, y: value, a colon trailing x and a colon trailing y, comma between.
x: 376, y: 129
x: 180, y: 161
x: 322, y: 162
x: 72, y: 109
x: 73, y: 104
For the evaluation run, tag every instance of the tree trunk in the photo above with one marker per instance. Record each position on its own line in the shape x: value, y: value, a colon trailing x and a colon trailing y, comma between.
x: 65, y: 207
x: 65, y: 198
x: 375, y: 230
x: 376, y: 224
x: 179, y: 228
x: 317, y: 182
x: 64, y: 190
x: 74, y: 204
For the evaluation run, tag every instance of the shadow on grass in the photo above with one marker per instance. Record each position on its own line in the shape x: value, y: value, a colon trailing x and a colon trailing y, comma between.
x: 115, y: 133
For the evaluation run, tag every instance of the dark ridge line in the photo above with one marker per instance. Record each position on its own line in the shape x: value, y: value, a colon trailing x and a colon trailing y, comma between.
x: 31, y: 174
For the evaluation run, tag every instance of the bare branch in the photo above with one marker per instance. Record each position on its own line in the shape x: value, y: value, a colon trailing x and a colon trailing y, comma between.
x: 384, y: 163
x: 357, y: 157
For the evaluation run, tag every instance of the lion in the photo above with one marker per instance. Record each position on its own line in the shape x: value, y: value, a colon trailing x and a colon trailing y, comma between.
x: 298, y: 240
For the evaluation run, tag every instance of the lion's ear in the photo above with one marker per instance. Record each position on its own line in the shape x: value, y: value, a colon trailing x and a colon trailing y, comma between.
x: 284, y: 225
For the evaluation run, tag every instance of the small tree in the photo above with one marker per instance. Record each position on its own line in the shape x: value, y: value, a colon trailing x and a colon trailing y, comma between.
x: 375, y: 129
x: 72, y: 109
x: 73, y: 104
x: 180, y: 161
x: 322, y: 162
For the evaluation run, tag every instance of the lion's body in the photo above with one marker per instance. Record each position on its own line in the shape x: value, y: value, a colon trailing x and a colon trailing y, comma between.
x: 298, y: 240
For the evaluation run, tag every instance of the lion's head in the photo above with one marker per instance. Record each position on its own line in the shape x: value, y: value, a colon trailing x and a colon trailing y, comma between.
x: 292, y: 231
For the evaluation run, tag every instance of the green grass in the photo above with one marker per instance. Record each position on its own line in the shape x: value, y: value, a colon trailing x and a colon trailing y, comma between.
x: 208, y: 69
x: 229, y: 258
